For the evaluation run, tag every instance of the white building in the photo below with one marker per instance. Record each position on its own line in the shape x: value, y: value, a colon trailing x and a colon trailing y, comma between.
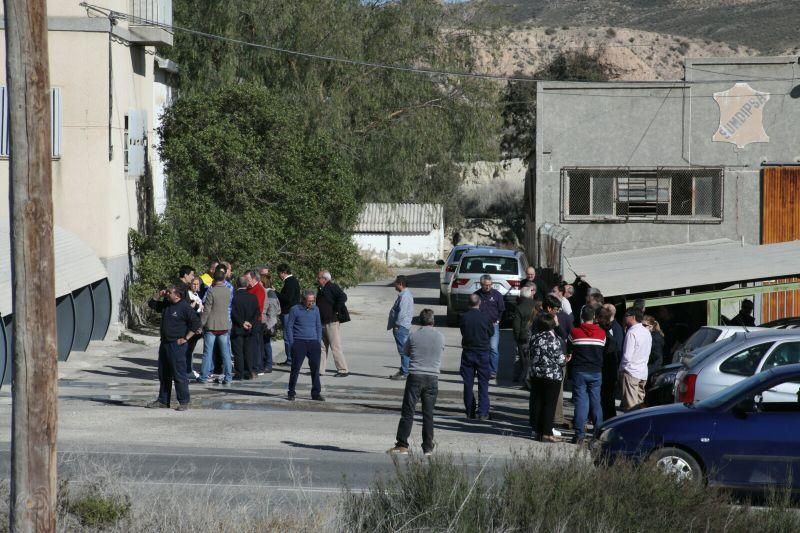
x: 401, y: 234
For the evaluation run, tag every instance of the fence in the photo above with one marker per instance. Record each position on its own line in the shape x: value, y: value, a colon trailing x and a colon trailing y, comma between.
x: 663, y: 194
x: 159, y: 11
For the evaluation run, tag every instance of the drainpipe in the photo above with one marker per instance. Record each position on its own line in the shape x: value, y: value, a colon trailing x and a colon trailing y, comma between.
x: 388, y: 245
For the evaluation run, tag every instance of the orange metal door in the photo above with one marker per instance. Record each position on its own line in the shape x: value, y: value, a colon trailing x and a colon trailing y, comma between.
x: 780, y: 222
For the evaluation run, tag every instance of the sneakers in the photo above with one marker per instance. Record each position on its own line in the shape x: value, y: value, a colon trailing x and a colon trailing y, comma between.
x: 267, y: 371
x: 195, y: 374
x: 341, y: 374
x: 398, y: 377
x: 182, y: 407
x: 262, y: 373
x: 318, y: 398
x: 397, y: 450
x: 550, y: 438
x: 222, y: 381
x: 484, y: 418
x: 428, y: 453
x: 286, y: 362
x: 156, y: 405
x: 556, y: 433
x: 290, y: 397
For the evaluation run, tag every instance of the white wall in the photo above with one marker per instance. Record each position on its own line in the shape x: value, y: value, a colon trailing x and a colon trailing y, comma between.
x: 404, y: 250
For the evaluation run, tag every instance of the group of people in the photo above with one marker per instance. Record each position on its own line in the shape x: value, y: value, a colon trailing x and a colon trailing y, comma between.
x: 237, y: 321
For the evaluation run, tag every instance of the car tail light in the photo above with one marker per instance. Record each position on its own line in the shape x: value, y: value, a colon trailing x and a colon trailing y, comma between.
x: 686, y: 388
x: 457, y: 282
x: 451, y: 268
x: 515, y: 283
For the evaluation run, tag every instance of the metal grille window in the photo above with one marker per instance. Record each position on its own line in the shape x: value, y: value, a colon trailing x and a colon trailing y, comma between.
x: 665, y: 194
x: 55, y: 122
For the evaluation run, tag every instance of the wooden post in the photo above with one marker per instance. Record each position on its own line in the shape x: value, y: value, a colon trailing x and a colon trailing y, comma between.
x: 34, y: 388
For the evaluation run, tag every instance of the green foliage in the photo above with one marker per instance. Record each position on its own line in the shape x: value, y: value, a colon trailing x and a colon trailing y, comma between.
x: 95, y: 509
x: 247, y: 185
x: 404, y: 133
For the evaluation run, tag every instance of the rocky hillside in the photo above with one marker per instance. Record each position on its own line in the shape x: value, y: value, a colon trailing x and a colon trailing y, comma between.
x: 769, y: 26
x: 628, y: 54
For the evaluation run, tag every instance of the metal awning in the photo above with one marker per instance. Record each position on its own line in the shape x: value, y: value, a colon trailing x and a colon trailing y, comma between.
x: 685, y: 266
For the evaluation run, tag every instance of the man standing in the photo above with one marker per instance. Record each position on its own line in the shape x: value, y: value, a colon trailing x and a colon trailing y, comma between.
x: 304, y: 332
x: 521, y: 326
x: 289, y: 297
x: 611, y: 359
x: 178, y: 325
x: 635, y: 355
x: 532, y: 280
x: 216, y: 321
x: 400, y: 323
x: 244, y: 316
x: 330, y: 301
x: 185, y: 277
x: 424, y: 348
x: 745, y: 316
x: 255, y: 288
x: 476, y: 333
x: 493, y: 306
x: 586, y: 344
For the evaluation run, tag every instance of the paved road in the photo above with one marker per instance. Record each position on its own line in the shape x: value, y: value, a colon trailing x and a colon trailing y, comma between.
x: 249, y: 435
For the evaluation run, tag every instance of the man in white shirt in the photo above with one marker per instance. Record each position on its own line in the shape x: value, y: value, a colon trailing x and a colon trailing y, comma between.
x: 635, y: 354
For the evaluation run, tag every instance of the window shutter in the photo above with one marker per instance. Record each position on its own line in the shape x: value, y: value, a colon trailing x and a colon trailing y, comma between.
x: 4, y: 147
x: 55, y: 121
x: 137, y: 142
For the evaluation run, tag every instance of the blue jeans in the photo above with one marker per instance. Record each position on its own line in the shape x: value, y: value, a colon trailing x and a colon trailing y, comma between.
x: 267, y: 351
x: 494, y: 345
x: 400, y: 337
x: 475, y: 363
x: 586, y: 395
x: 287, y: 346
x: 209, y: 339
x: 306, y: 348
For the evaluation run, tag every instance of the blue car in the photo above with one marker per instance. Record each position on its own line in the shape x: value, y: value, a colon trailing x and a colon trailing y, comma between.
x: 732, y: 439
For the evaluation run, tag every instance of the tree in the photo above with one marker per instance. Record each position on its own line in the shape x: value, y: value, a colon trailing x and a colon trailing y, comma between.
x: 248, y: 186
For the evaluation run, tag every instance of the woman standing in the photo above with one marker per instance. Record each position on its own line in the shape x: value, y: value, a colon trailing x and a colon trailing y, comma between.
x: 270, y: 317
x: 197, y: 304
x: 546, y: 373
x: 657, y: 349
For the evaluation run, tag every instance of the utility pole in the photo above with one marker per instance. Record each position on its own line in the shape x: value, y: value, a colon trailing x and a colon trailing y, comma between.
x: 34, y: 388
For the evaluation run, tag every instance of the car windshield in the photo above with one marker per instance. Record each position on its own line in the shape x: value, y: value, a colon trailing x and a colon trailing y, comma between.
x: 487, y: 264
x: 701, y: 337
x: 726, y: 395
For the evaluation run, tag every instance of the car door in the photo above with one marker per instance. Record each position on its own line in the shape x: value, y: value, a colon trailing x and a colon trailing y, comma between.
x: 732, y: 369
x: 785, y: 353
x: 756, y: 448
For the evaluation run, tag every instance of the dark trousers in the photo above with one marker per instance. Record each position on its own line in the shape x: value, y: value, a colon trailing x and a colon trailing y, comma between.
x: 418, y: 387
x: 172, y: 369
x: 257, y: 346
x: 267, y: 356
x: 190, y: 346
x: 287, y: 346
x: 300, y: 350
x: 608, y: 392
x: 472, y: 363
x: 242, y: 348
x: 542, y: 407
x: 521, y: 363
x: 218, y: 369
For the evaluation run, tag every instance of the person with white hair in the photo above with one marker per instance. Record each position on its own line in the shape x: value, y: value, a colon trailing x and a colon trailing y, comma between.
x: 332, y: 311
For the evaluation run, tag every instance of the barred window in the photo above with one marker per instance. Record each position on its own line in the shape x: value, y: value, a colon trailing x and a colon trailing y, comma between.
x: 677, y: 194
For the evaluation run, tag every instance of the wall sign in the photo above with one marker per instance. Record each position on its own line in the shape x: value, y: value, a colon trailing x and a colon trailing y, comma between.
x: 741, y: 116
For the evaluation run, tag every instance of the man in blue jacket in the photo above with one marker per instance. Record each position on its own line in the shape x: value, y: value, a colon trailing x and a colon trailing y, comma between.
x: 304, y: 334
x: 476, y: 331
x: 400, y: 323
x: 492, y: 305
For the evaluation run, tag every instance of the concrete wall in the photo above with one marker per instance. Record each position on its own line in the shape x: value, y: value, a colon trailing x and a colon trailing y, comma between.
x: 661, y: 124
x: 92, y: 195
x: 404, y: 250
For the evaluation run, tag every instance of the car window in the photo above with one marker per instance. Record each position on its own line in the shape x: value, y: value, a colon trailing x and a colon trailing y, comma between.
x: 784, y: 354
x: 489, y: 265
x: 745, y: 362
x: 701, y: 354
x: 457, y: 255
x: 701, y: 337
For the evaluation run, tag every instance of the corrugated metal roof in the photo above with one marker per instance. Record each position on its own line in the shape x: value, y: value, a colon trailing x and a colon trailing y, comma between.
x: 689, y: 265
x: 76, y: 265
x: 400, y: 218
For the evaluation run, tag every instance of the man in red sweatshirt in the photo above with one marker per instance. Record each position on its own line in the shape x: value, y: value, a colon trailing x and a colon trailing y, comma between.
x: 586, y: 343
x: 255, y: 288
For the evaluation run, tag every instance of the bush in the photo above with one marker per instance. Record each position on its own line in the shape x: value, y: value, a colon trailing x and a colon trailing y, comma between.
x: 550, y: 31
x: 93, y: 508
x: 611, y: 32
x: 369, y: 268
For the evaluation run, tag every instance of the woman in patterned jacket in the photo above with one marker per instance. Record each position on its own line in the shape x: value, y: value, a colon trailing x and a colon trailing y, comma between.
x: 545, y: 375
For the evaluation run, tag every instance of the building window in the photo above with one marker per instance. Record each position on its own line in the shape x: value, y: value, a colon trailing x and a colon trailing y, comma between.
x: 55, y: 122
x: 675, y: 194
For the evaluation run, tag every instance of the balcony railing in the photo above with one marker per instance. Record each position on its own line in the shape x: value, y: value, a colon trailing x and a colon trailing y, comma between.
x: 144, y: 15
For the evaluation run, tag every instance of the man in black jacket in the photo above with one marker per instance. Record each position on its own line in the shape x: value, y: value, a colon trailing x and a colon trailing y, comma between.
x: 330, y: 302
x: 179, y: 323
x: 289, y: 297
x: 244, y: 315
x: 611, y: 359
x: 476, y: 332
x: 526, y: 306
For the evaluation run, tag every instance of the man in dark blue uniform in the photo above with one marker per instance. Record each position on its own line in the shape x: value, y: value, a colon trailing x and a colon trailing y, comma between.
x: 476, y: 332
x: 179, y: 323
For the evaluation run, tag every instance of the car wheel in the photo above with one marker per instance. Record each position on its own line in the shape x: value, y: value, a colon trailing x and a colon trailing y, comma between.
x: 677, y: 463
x: 442, y: 298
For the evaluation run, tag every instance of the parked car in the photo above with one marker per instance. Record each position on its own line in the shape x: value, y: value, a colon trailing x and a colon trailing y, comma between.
x: 733, y: 439
x: 783, y: 323
x: 705, y: 336
x: 744, y: 355
x: 507, y: 268
x: 448, y: 267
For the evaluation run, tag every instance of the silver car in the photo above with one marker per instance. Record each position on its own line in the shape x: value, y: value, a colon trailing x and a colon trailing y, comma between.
x: 506, y: 267
x: 705, y: 336
x: 448, y: 267
x: 736, y: 358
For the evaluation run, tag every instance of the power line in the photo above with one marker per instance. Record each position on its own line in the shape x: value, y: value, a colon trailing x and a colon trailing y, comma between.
x: 112, y: 14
